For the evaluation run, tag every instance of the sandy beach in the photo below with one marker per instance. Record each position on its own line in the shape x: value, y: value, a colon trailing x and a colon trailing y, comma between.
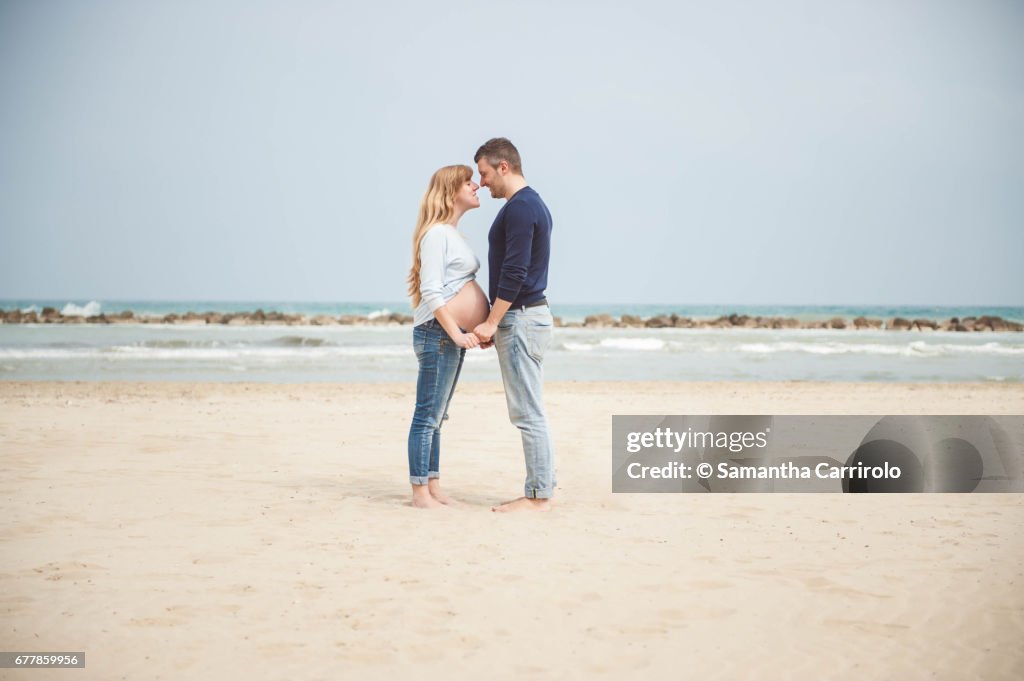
x: 261, y: 531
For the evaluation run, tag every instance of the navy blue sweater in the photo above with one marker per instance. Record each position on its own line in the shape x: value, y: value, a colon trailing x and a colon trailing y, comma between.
x: 519, y: 249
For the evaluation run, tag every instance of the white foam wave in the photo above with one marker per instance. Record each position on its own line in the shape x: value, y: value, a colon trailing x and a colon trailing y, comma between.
x: 90, y: 309
x: 646, y: 344
x: 913, y: 349
x: 579, y: 347
x: 378, y: 313
x: 135, y: 352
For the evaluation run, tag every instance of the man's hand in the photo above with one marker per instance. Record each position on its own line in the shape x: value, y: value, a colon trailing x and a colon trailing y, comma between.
x: 485, y: 331
x: 487, y: 344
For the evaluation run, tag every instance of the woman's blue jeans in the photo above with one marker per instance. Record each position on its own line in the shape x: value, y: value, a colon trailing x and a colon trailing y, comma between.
x: 440, y: 362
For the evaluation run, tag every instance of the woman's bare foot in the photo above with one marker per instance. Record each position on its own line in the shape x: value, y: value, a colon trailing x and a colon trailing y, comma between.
x: 434, y: 486
x: 523, y: 504
x: 421, y: 498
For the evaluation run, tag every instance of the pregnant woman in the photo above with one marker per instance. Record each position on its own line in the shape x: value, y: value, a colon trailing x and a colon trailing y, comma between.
x: 447, y: 299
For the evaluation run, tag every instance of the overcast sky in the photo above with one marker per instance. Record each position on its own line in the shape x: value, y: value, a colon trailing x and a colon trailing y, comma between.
x: 706, y: 152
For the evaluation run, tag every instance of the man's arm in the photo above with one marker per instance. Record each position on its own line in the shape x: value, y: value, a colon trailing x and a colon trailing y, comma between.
x: 485, y: 330
x: 519, y: 226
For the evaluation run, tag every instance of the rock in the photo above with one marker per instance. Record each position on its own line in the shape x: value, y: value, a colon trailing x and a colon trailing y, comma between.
x: 738, y: 319
x: 323, y: 320
x: 924, y: 324
x: 898, y: 324
x: 632, y: 320
x: 865, y: 323
x: 993, y: 323
x: 836, y: 323
x: 601, y: 320
x: 659, y: 322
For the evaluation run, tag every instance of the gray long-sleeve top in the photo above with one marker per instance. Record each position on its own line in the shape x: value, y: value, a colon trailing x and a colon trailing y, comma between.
x: 447, y: 263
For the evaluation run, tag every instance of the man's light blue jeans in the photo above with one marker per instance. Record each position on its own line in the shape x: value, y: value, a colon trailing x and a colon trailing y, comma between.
x: 521, y: 340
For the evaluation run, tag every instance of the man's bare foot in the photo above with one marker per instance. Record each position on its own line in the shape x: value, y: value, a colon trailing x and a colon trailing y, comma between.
x: 434, y: 486
x: 523, y: 504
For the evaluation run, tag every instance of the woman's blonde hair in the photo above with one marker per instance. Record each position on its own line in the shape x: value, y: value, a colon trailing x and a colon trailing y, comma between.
x: 437, y: 206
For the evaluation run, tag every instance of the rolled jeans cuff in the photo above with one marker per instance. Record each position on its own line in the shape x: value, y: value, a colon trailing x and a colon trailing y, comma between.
x: 420, y: 480
x: 538, y: 493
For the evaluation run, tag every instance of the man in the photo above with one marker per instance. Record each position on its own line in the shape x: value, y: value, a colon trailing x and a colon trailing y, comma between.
x: 520, y: 320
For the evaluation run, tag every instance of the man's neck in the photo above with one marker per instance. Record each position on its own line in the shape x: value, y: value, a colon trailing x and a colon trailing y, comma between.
x: 513, y: 185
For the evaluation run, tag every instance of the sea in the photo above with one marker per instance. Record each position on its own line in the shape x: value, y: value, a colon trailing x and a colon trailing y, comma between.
x: 370, y: 354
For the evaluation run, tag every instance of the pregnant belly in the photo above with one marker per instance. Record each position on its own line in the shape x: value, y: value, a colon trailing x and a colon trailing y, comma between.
x: 469, y: 306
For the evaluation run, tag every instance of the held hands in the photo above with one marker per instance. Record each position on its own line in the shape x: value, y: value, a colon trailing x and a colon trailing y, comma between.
x: 467, y: 340
x: 485, y: 332
x: 472, y: 340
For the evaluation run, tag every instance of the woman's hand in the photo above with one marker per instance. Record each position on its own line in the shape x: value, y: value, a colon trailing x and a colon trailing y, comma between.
x: 467, y: 340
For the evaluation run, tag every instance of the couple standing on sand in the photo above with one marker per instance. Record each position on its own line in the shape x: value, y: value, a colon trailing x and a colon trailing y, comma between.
x: 452, y: 315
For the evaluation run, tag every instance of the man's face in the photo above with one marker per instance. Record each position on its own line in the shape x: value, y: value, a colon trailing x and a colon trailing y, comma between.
x: 492, y: 178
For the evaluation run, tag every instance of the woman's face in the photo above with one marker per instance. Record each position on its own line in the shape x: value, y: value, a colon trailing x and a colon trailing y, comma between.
x: 466, y: 198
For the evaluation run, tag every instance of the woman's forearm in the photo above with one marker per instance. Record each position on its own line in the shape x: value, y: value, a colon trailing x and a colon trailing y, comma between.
x: 447, y: 322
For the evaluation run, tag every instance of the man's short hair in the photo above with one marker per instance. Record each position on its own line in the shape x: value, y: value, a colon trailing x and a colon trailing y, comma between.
x: 497, y: 150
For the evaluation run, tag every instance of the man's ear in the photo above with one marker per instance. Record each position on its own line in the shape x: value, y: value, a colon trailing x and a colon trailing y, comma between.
x: 503, y: 167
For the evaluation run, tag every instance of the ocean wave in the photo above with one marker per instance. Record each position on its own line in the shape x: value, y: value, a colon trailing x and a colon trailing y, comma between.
x: 179, y: 343
x: 635, y: 344
x: 383, y: 312
x: 90, y: 309
x: 209, y: 352
x: 301, y: 341
x: 645, y: 344
x: 913, y: 349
